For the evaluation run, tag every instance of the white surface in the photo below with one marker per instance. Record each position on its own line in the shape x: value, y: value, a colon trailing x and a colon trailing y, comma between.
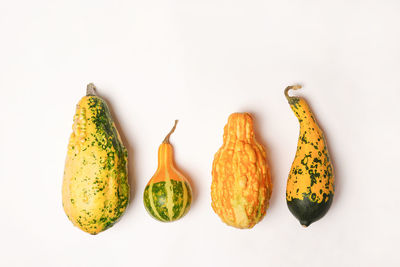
x: 199, y: 61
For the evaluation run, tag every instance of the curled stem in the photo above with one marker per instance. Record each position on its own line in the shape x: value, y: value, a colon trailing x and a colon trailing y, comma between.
x: 90, y: 90
x: 292, y: 87
x: 166, y: 139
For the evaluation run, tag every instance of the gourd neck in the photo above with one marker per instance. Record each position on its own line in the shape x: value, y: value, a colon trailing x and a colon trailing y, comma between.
x: 300, y: 107
x: 239, y: 128
x: 165, y: 156
x: 166, y: 151
x: 302, y: 111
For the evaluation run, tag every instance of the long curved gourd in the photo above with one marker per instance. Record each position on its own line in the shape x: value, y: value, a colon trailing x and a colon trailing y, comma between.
x: 241, y: 182
x: 310, y: 185
x: 168, y: 195
x: 95, y: 190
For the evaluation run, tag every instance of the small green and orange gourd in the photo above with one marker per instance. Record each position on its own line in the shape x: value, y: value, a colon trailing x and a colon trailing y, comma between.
x: 310, y: 185
x: 241, y: 182
x: 168, y: 194
x: 95, y: 190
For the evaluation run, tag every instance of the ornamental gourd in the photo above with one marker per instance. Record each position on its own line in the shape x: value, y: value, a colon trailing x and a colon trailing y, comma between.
x: 95, y: 190
x: 241, y: 182
x: 168, y: 195
x: 310, y: 185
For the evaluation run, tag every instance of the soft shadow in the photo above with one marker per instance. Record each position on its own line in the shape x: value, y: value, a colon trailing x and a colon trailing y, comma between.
x: 260, y: 139
x: 128, y: 146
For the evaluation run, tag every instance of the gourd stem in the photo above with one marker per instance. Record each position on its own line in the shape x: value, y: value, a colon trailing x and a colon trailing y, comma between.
x: 166, y: 139
x: 294, y: 87
x: 90, y: 90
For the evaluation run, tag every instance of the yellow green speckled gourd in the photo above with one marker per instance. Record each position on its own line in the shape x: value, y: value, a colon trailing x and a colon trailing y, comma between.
x: 241, y: 182
x: 168, y: 194
x: 310, y: 185
x: 95, y: 190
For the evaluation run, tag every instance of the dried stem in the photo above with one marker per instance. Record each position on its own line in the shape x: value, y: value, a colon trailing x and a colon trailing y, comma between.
x: 166, y: 139
x: 292, y: 87
x: 90, y: 90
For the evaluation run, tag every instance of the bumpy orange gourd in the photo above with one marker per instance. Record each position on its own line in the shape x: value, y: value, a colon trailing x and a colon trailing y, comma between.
x: 241, y: 181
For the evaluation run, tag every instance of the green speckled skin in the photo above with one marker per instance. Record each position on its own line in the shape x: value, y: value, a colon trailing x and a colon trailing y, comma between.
x: 310, y: 185
x: 95, y: 185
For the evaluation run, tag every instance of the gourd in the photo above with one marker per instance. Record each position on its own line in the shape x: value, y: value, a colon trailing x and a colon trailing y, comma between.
x: 168, y: 194
x: 310, y: 185
x: 241, y: 181
x: 95, y: 190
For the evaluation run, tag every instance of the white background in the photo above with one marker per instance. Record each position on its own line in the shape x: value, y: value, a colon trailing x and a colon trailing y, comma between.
x: 199, y: 61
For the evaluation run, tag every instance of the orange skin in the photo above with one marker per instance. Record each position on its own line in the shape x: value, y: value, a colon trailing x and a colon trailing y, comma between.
x: 241, y: 185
